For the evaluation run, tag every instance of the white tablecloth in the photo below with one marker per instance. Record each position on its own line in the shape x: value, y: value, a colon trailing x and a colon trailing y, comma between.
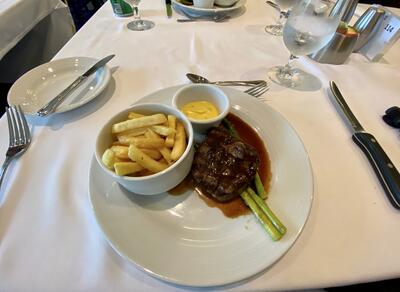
x: 49, y: 239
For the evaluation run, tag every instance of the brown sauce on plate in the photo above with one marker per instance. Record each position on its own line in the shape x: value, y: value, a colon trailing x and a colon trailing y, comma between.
x: 235, y: 207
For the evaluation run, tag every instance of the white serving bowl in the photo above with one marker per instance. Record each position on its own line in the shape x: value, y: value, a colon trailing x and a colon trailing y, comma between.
x: 203, y: 92
x: 155, y: 183
x: 203, y: 3
x: 225, y: 3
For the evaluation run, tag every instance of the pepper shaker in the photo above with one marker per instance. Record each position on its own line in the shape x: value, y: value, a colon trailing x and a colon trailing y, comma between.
x: 367, y: 25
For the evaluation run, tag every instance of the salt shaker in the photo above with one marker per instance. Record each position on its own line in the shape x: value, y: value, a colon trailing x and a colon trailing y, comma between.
x: 367, y: 25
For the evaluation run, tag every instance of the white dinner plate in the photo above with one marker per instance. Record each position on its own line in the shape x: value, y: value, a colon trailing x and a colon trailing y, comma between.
x: 207, y: 11
x: 180, y: 239
x: 41, y: 84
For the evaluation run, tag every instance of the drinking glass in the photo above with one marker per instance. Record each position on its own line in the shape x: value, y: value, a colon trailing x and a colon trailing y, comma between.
x: 284, y: 6
x: 138, y: 24
x: 310, y: 26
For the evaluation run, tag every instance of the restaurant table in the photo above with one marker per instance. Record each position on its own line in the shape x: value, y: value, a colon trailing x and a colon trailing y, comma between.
x: 31, y: 32
x: 49, y: 238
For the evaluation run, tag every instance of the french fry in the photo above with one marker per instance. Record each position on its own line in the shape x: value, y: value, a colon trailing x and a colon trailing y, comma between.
x: 125, y: 140
x: 120, y: 151
x: 152, y: 143
x: 108, y: 158
x: 133, y: 115
x: 153, y: 153
x: 151, y: 134
x: 133, y: 132
x: 144, y: 160
x: 166, y: 153
x: 124, y: 168
x: 163, y: 131
x: 180, y: 142
x: 138, y: 123
x: 170, y: 140
x: 116, y: 143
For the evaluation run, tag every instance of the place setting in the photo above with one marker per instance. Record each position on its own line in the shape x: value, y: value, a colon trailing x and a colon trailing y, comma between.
x: 60, y: 86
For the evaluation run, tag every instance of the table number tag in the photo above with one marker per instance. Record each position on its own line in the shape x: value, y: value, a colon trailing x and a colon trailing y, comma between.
x: 386, y: 35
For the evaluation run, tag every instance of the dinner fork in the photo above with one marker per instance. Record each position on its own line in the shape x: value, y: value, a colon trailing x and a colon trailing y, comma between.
x: 258, y: 90
x: 19, y: 137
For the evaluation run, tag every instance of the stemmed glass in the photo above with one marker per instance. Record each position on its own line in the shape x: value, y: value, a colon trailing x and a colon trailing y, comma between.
x: 284, y: 6
x: 138, y: 24
x: 310, y: 26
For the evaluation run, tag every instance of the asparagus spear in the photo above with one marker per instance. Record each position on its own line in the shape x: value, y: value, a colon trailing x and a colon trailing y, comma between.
x: 264, y: 207
x: 256, y: 203
x: 265, y: 222
x: 260, y: 187
x: 231, y: 129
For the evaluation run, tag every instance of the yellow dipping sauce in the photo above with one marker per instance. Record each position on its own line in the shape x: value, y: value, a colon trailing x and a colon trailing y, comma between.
x: 200, y: 110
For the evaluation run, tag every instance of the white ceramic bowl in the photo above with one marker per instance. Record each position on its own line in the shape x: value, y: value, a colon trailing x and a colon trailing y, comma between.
x: 203, y: 3
x: 225, y: 3
x: 155, y: 183
x: 203, y: 92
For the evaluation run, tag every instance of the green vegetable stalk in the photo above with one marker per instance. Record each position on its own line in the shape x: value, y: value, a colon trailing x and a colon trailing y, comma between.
x: 260, y: 187
x: 265, y: 222
x: 264, y: 207
x: 256, y: 202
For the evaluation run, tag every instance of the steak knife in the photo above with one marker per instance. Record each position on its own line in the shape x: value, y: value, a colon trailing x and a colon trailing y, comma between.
x: 51, y: 106
x: 387, y: 173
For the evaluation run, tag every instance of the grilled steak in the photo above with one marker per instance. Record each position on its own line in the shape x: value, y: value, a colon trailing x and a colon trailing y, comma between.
x: 224, y: 166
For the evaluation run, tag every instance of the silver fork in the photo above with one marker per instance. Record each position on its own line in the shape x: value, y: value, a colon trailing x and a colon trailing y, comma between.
x: 257, y: 90
x: 19, y: 137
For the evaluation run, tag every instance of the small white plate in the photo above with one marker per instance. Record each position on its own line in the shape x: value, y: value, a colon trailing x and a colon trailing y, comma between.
x: 207, y: 11
x: 180, y: 239
x: 41, y: 84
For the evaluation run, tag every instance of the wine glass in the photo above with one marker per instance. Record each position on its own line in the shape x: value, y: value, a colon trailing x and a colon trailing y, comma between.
x: 310, y: 26
x: 284, y: 6
x: 138, y: 24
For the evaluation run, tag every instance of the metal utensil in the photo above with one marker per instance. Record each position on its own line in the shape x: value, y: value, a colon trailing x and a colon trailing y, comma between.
x: 257, y: 90
x: 200, y: 79
x: 52, y: 105
x: 19, y: 137
x: 387, y: 173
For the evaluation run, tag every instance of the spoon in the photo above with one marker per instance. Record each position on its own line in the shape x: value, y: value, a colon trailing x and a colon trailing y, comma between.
x: 200, y: 79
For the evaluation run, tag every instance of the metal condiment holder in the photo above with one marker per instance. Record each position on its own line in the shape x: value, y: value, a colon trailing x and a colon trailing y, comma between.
x: 337, y: 50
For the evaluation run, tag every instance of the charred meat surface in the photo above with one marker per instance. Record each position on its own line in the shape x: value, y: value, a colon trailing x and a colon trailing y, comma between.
x: 224, y: 166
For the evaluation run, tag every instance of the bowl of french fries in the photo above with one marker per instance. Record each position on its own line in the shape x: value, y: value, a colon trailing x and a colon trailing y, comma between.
x: 147, y: 148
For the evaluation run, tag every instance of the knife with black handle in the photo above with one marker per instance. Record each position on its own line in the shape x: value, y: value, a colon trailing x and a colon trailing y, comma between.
x: 381, y: 163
